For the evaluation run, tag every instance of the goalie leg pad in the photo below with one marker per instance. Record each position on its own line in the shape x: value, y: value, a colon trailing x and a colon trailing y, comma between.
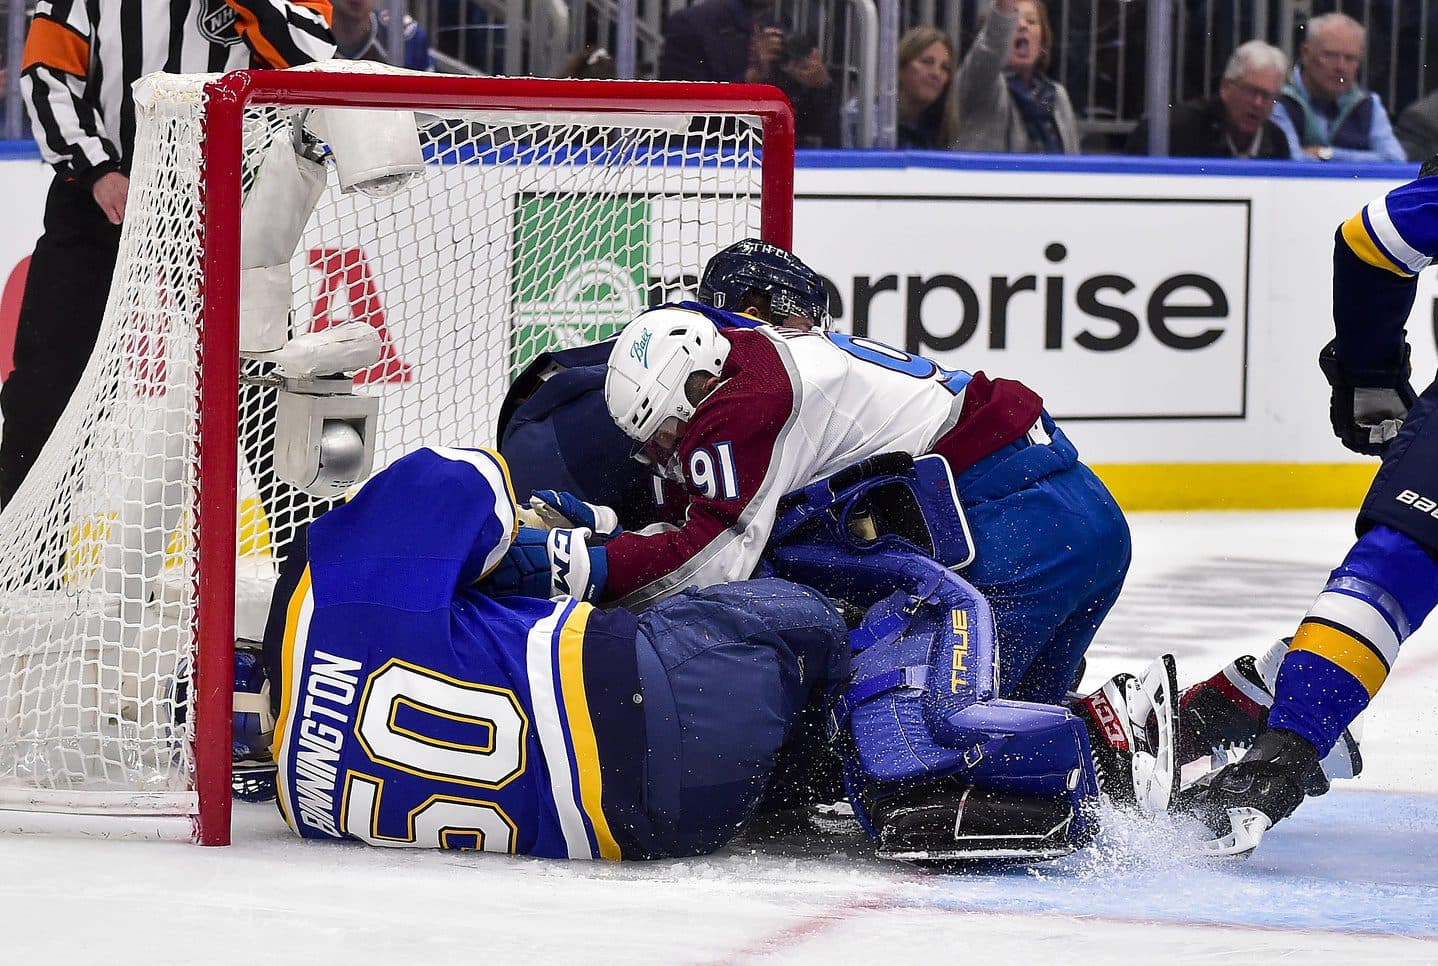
x: 923, y: 708
x: 253, y: 768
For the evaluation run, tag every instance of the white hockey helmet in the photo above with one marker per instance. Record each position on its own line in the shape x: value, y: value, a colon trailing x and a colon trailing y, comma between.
x: 652, y: 359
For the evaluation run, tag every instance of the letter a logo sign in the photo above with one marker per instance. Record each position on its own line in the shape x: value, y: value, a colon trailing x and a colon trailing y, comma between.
x: 348, y: 293
x: 10, y: 296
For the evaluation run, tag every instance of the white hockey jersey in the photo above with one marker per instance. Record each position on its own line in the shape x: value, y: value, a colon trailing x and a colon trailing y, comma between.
x: 793, y: 408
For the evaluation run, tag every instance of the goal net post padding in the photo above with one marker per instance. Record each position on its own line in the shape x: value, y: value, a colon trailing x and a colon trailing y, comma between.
x: 148, y: 535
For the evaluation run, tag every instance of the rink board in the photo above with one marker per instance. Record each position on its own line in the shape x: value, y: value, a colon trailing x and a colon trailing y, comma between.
x: 1169, y: 312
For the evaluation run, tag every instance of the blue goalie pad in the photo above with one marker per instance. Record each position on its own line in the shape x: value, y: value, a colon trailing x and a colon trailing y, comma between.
x: 922, y: 704
x: 253, y: 727
x: 890, y: 501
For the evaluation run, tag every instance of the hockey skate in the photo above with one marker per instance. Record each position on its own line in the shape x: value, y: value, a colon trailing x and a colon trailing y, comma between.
x: 1219, y: 718
x: 1131, y: 722
x: 1242, y: 801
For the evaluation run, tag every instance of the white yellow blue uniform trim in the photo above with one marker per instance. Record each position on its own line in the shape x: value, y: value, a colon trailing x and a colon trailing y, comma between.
x: 1396, y: 231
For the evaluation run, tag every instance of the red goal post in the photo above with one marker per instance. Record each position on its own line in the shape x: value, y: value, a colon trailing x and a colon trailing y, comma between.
x: 548, y: 209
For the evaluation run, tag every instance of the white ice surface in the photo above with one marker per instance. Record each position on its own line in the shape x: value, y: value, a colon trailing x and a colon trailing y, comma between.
x: 1352, y: 877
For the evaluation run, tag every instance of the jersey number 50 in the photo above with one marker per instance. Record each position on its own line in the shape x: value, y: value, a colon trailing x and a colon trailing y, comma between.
x: 399, y: 689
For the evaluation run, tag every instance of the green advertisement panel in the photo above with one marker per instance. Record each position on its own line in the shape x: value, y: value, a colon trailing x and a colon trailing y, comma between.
x: 578, y: 270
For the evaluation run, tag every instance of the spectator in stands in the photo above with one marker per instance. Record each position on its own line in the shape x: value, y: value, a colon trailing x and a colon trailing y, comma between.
x: 722, y: 40
x: 1006, y: 101
x: 804, y: 78
x: 736, y: 41
x: 1404, y: 37
x: 1234, y: 123
x: 1325, y: 114
x: 928, y: 111
x: 361, y: 32
x: 465, y: 31
x: 1417, y: 128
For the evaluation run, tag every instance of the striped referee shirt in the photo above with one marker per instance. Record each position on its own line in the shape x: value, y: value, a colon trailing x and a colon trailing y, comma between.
x: 81, y: 57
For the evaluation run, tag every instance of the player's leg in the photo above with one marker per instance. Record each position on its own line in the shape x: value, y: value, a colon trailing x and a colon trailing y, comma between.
x: 1052, y: 550
x: 725, y: 671
x: 1056, y: 665
x: 1229, y: 709
x: 1348, y: 642
x: 60, y: 315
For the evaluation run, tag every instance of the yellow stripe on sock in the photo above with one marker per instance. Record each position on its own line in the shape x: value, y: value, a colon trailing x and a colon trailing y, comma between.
x: 1343, y: 650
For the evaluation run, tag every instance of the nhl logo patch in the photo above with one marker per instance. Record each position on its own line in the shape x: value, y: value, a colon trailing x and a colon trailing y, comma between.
x: 217, y: 23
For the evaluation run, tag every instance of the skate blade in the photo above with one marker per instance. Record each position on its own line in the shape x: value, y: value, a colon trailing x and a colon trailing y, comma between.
x: 1249, y: 826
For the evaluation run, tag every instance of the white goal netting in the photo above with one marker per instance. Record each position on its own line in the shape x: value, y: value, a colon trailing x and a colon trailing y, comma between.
x: 526, y: 231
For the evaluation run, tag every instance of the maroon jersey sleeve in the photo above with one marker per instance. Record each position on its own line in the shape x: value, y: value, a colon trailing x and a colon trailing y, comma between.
x: 995, y: 413
x: 730, y: 460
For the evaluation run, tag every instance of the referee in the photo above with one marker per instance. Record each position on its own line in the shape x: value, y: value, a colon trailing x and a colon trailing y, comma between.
x: 81, y: 58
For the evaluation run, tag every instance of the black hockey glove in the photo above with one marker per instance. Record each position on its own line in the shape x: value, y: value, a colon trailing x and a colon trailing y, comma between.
x: 1272, y: 778
x: 1368, y: 406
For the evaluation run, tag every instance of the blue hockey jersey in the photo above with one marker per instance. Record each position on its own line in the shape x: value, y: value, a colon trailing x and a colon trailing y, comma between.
x: 414, y: 711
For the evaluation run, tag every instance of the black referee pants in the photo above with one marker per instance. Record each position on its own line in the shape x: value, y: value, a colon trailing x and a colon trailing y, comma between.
x: 60, y: 314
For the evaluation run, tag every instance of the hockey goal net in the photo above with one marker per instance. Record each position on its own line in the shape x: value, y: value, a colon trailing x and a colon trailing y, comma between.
x: 148, y: 534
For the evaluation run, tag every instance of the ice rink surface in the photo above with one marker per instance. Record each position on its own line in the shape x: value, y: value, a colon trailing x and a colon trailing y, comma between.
x: 1352, y: 877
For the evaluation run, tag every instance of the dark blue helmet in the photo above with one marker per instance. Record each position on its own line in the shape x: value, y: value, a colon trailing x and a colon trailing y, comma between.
x: 793, y: 287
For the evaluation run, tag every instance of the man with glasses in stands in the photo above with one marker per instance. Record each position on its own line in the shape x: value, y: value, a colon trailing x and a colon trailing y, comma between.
x: 1235, y: 122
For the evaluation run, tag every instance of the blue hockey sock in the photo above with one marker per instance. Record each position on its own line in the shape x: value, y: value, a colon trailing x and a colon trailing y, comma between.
x: 1345, y: 647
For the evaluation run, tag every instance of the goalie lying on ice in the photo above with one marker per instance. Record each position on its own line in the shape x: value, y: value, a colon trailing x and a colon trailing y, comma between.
x: 412, y: 709
x: 936, y: 765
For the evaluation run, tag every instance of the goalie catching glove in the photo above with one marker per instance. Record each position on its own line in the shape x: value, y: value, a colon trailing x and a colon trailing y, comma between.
x: 549, y: 563
x: 1368, y: 406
